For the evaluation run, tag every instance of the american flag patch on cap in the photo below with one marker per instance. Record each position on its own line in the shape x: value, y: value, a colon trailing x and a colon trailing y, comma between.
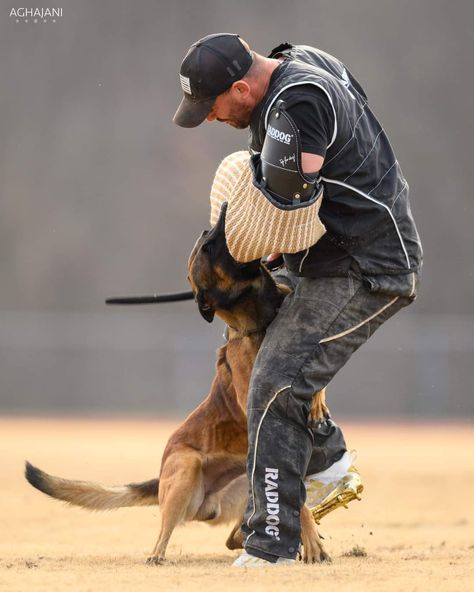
x: 185, y: 84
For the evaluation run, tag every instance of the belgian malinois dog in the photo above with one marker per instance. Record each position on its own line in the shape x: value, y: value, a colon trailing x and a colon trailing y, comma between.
x: 202, y: 474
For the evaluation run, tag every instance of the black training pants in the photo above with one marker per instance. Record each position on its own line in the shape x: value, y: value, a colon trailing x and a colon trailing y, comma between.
x: 319, y: 326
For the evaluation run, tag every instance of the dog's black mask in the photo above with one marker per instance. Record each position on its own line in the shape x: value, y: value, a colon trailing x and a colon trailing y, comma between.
x: 214, y: 247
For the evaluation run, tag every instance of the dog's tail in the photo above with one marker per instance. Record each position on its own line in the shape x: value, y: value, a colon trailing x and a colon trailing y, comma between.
x: 93, y: 496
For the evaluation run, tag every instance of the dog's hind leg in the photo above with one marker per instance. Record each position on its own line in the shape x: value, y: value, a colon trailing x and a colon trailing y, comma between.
x: 313, y: 550
x: 235, y: 540
x: 181, y: 494
x: 225, y: 505
x: 233, y: 502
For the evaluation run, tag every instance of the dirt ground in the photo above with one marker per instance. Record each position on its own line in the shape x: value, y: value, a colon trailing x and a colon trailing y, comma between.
x: 412, y: 531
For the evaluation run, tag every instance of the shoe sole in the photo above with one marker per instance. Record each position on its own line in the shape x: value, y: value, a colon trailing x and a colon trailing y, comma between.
x: 349, y: 490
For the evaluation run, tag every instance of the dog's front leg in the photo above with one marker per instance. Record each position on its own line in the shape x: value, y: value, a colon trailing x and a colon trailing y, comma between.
x: 313, y: 550
x: 319, y: 410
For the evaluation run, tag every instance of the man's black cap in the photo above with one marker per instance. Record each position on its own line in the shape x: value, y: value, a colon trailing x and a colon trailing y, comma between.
x: 210, y: 67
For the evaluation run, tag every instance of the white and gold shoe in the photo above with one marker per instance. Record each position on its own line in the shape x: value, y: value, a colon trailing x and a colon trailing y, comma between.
x: 335, y: 487
x: 247, y: 560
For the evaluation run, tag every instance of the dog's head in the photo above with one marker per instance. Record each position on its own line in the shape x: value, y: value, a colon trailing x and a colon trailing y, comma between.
x: 217, y: 280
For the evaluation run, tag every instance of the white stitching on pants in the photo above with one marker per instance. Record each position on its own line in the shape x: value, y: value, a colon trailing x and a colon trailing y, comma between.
x: 338, y: 335
x: 255, y: 459
x: 302, y: 260
x: 413, y: 284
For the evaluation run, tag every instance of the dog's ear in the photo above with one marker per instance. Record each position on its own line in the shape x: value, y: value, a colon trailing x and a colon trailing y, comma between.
x: 220, y: 224
x: 206, y: 310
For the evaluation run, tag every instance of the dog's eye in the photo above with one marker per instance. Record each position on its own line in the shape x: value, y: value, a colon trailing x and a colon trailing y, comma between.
x: 208, y: 247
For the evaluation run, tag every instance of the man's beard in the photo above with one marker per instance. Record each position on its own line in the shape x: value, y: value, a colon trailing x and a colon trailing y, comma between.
x: 237, y: 123
x: 238, y: 119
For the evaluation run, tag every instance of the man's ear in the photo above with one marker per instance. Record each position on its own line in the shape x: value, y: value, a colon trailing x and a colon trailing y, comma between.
x: 241, y: 88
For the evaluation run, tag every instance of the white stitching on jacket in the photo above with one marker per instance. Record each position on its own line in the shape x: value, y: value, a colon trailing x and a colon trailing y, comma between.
x: 377, y: 202
x: 305, y: 82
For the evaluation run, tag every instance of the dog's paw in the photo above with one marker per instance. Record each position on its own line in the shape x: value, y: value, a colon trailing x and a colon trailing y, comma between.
x: 235, y: 540
x: 154, y: 560
x: 315, y: 554
x: 319, y: 410
x: 325, y: 558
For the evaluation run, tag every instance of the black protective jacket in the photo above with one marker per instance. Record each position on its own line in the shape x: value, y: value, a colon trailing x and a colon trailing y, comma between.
x: 365, y: 207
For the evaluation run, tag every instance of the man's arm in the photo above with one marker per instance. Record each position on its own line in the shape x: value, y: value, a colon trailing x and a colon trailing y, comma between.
x: 311, y: 163
x: 314, y: 118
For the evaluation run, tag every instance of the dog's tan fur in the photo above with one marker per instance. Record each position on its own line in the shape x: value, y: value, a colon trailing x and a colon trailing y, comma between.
x: 203, y: 466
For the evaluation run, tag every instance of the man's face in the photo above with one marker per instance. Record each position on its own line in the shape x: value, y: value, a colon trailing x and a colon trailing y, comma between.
x: 232, y: 107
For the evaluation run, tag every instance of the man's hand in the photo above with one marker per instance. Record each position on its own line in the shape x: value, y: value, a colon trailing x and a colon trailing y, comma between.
x: 274, y: 261
x: 273, y: 257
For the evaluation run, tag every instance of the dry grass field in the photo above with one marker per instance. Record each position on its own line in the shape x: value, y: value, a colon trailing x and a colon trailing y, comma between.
x: 413, y: 530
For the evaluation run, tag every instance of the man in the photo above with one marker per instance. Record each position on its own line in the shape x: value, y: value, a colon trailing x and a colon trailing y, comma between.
x: 311, y: 133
